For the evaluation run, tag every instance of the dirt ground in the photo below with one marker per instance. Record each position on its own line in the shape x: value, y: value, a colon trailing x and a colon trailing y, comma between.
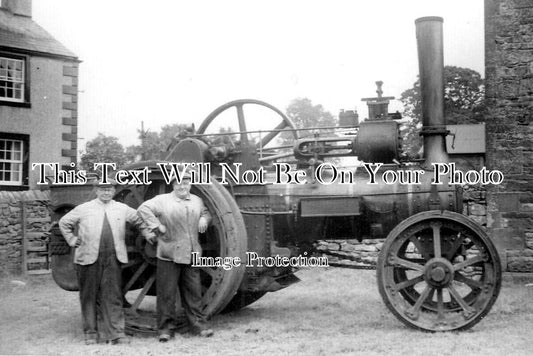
x: 332, y: 311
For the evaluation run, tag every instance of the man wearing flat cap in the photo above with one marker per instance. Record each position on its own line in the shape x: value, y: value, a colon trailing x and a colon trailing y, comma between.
x: 177, y: 217
x: 100, y: 249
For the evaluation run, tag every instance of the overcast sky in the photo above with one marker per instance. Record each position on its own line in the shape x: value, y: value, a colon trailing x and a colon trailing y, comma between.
x: 164, y: 62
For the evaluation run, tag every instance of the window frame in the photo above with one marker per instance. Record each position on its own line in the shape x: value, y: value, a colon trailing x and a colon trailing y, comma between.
x: 25, y: 102
x: 23, y: 183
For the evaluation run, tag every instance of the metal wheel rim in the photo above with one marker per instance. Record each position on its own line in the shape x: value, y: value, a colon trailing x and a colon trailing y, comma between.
x: 421, y: 302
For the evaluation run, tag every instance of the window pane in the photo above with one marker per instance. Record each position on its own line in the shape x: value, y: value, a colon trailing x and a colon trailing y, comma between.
x: 11, y: 161
x: 12, y: 79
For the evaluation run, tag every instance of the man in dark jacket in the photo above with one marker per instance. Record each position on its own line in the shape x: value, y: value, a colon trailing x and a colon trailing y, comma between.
x: 100, y: 249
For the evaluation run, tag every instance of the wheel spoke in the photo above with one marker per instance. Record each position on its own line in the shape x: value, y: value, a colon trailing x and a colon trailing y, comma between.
x: 423, y: 297
x: 440, y: 305
x: 397, y: 261
x: 436, y: 239
x: 409, y: 282
x: 143, y: 292
x: 458, y: 242
x: 468, y: 281
x: 132, y: 261
x: 269, y: 136
x: 431, y: 294
x: 466, y: 263
x: 419, y: 247
x: 242, y: 123
x: 135, y: 276
x: 213, y: 272
x: 468, y: 312
x: 414, y: 312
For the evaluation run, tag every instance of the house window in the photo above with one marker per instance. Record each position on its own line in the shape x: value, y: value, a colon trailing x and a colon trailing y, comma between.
x: 12, y: 75
x: 11, y: 162
x: 13, y: 159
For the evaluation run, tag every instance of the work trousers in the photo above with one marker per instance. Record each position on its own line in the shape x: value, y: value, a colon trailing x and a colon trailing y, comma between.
x: 170, y: 276
x: 100, y: 292
x: 100, y: 295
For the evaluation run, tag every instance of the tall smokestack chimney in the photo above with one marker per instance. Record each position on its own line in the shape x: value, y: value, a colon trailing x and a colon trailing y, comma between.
x: 18, y: 7
x: 431, y: 64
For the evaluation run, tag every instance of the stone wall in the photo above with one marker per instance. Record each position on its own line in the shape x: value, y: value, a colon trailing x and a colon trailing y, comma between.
x: 12, y: 229
x: 351, y: 253
x: 509, y: 94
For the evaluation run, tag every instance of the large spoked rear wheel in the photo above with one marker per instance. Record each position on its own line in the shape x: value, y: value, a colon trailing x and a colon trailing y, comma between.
x: 225, y: 237
x: 439, y: 271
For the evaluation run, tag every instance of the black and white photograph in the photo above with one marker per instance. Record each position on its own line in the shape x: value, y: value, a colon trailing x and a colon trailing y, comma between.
x: 249, y: 177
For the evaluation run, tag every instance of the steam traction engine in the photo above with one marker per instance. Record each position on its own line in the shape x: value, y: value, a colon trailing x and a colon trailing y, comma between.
x: 437, y: 270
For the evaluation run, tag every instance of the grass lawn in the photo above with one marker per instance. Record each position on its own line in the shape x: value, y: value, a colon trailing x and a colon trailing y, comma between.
x: 332, y: 311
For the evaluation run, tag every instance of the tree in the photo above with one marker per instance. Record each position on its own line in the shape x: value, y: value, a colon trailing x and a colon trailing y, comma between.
x: 304, y: 115
x: 464, y: 94
x: 147, y: 150
x: 103, y: 149
x: 154, y: 145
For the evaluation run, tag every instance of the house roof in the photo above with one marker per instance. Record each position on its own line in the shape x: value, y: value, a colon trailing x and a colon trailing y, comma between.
x: 23, y: 34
